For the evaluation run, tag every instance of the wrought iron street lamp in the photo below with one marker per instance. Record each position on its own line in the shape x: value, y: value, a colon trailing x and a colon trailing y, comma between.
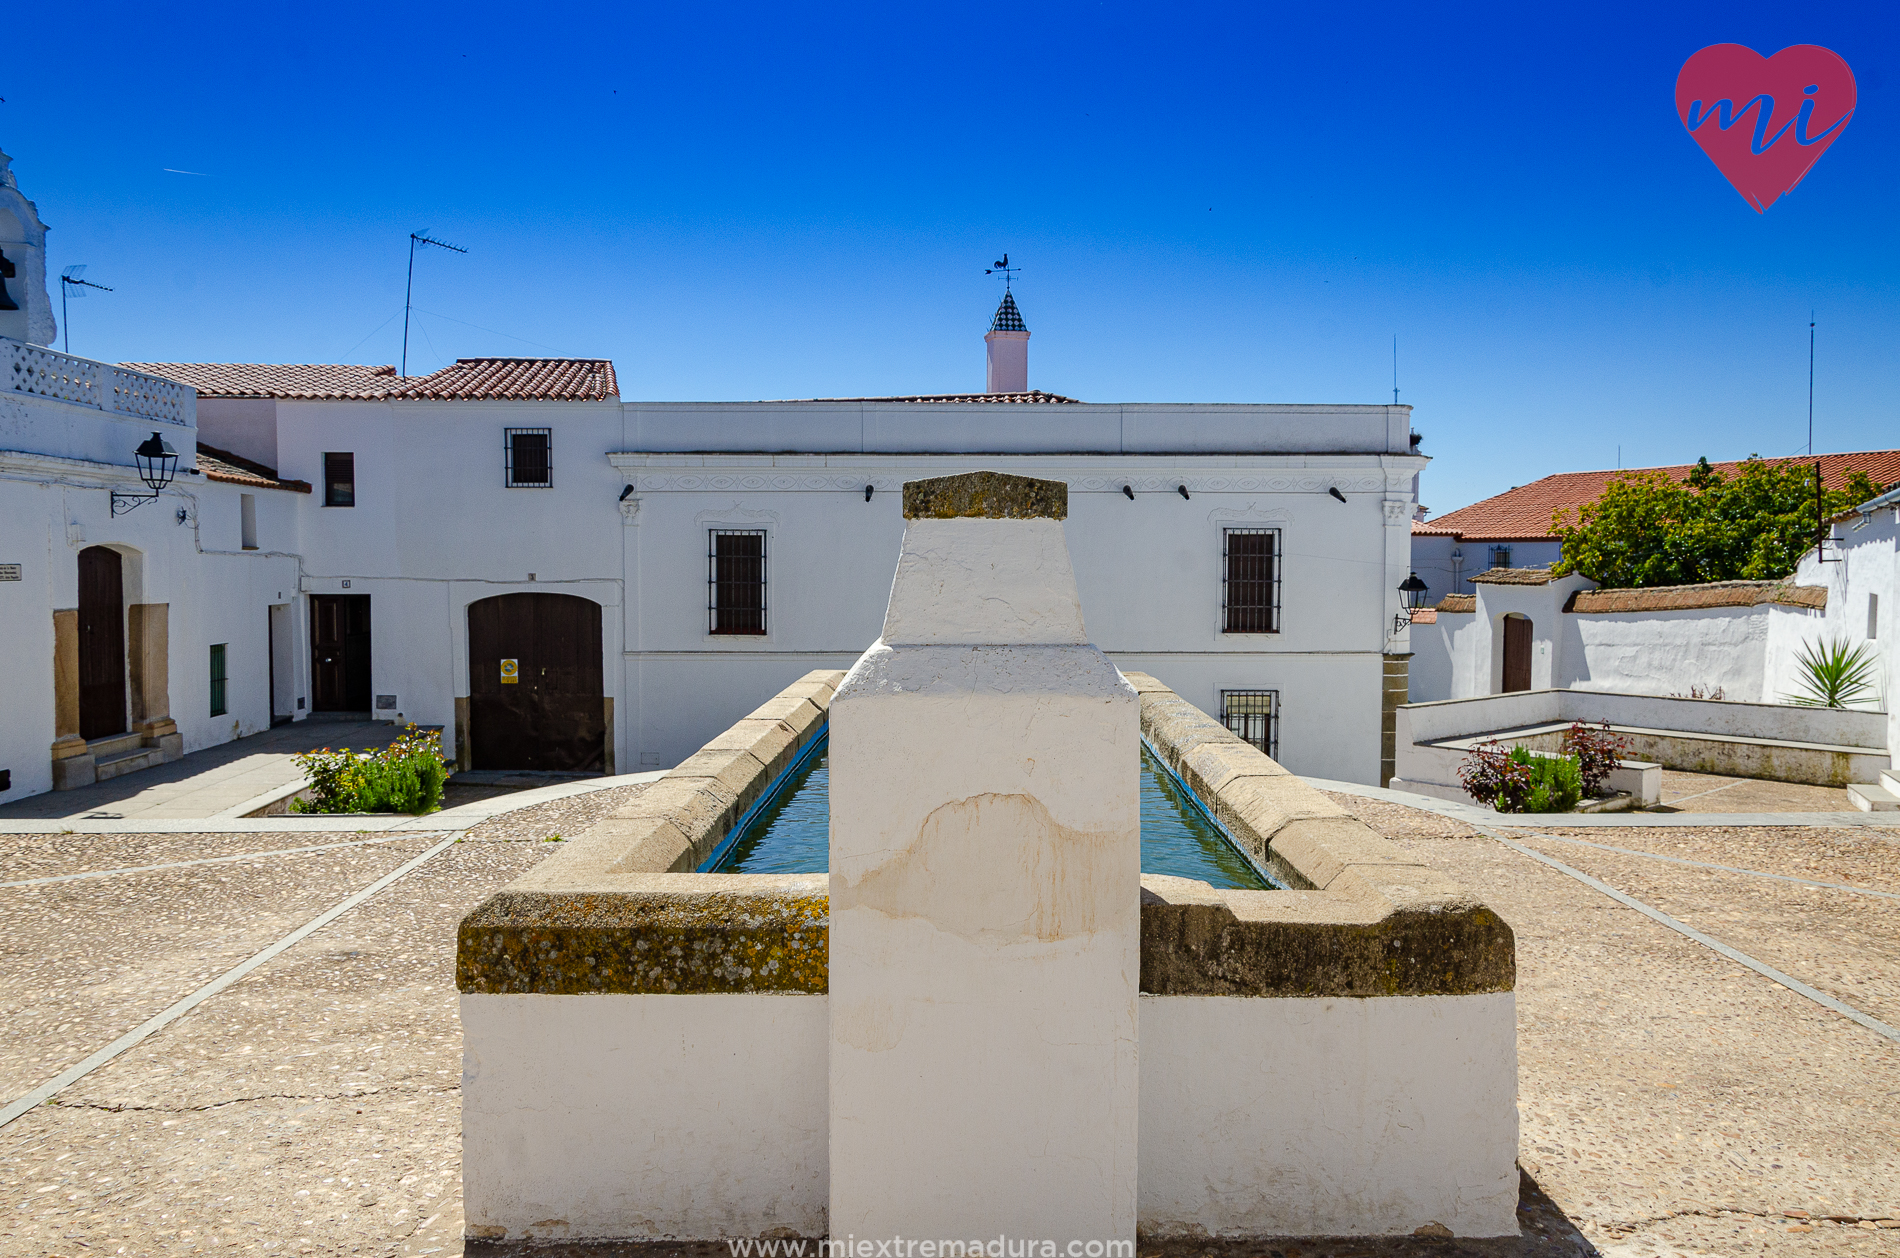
x: 158, y: 464
x: 1412, y: 596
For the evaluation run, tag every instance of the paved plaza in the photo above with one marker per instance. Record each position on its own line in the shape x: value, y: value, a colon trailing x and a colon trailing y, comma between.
x: 1673, y: 1101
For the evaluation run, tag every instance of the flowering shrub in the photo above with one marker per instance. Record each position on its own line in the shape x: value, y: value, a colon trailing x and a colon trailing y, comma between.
x: 1518, y: 781
x: 1596, y: 750
x: 406, y: 776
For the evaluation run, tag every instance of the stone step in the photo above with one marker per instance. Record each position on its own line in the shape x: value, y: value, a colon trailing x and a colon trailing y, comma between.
x: 1870, y: 798
x: 1890, y: 779
x: 113, y: 745
x: 127, y: 762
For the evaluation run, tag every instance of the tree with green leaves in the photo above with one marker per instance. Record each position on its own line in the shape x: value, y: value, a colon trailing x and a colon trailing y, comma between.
x: 1650, y: 529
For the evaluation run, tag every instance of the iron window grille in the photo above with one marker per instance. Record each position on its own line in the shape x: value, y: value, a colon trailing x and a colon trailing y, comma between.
x: 528, y: 456
x: 1500, y: 556
x: 1250, y: 580
x: 1254, y: 715
x: 339, y: 480
x: 735, y: 581
x: 217, y: 679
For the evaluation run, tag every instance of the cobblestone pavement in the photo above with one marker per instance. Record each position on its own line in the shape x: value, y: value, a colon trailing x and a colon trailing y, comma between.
x: 1672, y: 1101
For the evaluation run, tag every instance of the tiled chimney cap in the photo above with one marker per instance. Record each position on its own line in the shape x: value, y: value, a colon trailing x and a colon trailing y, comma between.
x: 1008, y: 318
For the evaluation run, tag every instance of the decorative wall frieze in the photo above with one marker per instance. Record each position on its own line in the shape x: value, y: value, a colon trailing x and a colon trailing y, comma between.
x: 1149, y: 483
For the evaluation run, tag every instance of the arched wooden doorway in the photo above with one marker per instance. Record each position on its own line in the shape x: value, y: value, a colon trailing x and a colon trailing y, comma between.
x: 1517, y: 653
x: 550, y: 715
x: 101, y: 643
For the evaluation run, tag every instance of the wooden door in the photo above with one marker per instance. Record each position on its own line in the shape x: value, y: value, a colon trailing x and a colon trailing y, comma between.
x: 339, y: 647
x: 1517, y: 653
x: 101, y: 643
x: 550, y: 717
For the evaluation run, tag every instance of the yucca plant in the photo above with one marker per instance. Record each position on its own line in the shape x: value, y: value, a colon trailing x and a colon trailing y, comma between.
x: 1835, y: 675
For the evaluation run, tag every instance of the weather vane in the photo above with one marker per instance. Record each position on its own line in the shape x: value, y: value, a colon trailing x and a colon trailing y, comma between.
x: 1004, y: 269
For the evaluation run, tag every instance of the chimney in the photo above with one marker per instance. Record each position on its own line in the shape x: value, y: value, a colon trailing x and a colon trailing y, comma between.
x: 1008, y: 342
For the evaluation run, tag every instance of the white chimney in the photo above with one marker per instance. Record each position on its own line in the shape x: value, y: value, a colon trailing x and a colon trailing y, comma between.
x: 1008, y: 343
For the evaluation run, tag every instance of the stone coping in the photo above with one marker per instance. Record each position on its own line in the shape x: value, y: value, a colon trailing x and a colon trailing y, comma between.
x: 986, y: 496
x: 619, y: 911
x: 1363, y: 917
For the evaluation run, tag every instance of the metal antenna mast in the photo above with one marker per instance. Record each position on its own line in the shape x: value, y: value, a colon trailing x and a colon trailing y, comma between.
x: 1395, y: 369
x: 425, y: 239
x: 71, y: 284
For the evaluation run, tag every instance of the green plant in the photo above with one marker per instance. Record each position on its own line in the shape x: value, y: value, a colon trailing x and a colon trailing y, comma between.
x: 406, y: 776
x: 1556, y: 782
x: 1835, y: 674
x: 1647, y: 529
x: 1519, y: 780
x: 1596, y: 750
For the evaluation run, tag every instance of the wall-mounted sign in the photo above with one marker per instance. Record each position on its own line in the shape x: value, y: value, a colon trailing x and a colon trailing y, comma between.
x: 9, y: 572
x: 386, y: 702
x: 511, y: 672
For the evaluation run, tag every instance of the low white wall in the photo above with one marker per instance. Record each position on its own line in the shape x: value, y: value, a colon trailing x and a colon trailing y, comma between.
x: 1328, y: 1117
x: 1667, y: 652
x: 653, y: 1117
x: 1462, y: 718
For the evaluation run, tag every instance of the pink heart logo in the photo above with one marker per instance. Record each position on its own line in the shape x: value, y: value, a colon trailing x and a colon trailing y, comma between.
x: 1764, y: 121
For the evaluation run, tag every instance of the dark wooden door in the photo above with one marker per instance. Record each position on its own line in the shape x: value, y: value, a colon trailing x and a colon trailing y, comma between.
x: 550, y: 717
x: 1517, y: 653
x: 101, y: 643
x: 339, y: 646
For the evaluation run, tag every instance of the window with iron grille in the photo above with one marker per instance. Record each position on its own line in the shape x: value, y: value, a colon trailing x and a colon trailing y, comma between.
x: 1254, y: 715
x: 735, y: 580
x: 1500, y: 556
x: 217, y: 679
x: 1250, y: 580
x: 339, y: 480
x: 528, y: 458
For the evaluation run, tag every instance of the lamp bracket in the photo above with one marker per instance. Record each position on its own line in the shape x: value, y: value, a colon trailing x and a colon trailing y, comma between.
x: 122, y: 503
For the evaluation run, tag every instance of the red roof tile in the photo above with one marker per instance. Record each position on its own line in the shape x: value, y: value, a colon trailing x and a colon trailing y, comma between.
x: 1523, y: 513
x: 1434, y: 529
x: 319, y: 381
x: 468, y: 379
x: 1659, y: 598
x: 1453, y: 603
x: 516, y: 380
x: 1515, y: 576
x: 1425, y: 616
x: 222, y: 465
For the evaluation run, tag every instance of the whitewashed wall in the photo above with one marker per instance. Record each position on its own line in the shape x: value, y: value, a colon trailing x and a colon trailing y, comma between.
x: 1669, y: 652
x: 1868, y: 567
x: 59, y: 462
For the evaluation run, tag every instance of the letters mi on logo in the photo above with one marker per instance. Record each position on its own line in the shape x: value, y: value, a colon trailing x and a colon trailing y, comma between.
x: 1764, y: 121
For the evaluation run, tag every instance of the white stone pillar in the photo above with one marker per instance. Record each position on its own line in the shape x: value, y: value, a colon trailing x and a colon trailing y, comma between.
x: 985, y: 891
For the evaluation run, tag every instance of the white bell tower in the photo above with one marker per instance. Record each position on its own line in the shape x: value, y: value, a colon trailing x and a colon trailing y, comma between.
x: 26, y: 311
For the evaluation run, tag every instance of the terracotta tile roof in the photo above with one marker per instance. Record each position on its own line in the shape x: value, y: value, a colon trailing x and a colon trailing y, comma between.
x: 1457, y: 603
x: 317, y: 381
x: 1434, y: 529
x: 1425, y: 616
x: 1523, y: 513
x: 1033, y: 396
x: 516, y: 380
x: 1515, y: 576
x: 468, y: 379
x: 222, y: 465
x: 1661, y: 598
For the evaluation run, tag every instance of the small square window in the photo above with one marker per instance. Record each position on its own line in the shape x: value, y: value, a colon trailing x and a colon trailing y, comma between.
x: 339, y: 480
x: 217, y: 679
x: 528, y: 456
x: 735, y: 581
x: 1254, y: 715
x: 1500, y: 556
x: 1250, y: 581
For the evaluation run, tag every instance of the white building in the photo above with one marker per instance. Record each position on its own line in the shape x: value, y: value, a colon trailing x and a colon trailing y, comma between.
x: 571, y: 582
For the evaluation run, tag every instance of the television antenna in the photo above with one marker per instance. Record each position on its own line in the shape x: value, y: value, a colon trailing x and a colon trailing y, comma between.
x: 72, y: 285
x: 424, y: 239
x: 1003, y: 268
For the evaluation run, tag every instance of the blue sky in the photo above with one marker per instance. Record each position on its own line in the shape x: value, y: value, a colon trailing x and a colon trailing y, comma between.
x: 1210, y: 203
